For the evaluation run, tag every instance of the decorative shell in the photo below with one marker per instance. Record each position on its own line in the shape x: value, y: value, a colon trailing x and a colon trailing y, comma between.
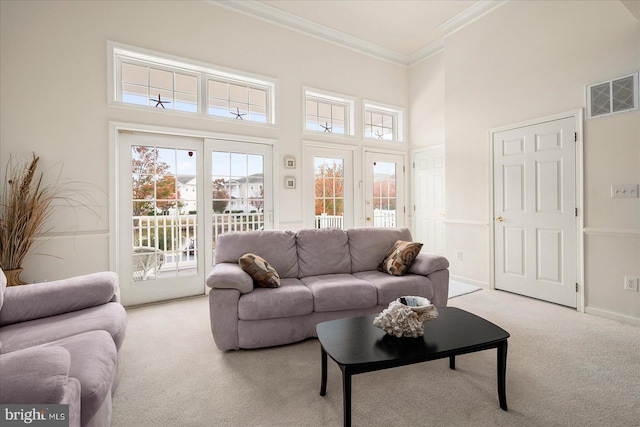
x: 400, y: 320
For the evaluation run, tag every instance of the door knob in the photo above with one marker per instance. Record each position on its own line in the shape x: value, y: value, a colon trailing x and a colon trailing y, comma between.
x: 368, y: 218
x: 499, y: 219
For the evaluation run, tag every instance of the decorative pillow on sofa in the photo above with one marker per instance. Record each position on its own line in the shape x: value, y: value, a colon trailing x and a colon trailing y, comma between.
x: 400, y: 257
x: 260, y: 270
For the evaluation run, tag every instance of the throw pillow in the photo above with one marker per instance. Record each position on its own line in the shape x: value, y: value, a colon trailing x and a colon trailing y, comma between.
x: 262, y: 273
x: 400, y: 257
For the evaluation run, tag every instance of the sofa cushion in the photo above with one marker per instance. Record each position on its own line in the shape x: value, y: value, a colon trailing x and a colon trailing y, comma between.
x: 400, y: 257
x: 369, y: 245
x: 93, y: 360
x: 334, y: 292
x: 323, y: 251
x: 262, y: 273
x: 279, y: 247
x: 292, y: 298
x: 392, y: 287
x: 110, y: 317
x: 35, y: 375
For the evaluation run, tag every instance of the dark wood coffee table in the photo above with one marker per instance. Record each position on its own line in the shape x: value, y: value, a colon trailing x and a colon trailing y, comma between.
x: 357, y: 347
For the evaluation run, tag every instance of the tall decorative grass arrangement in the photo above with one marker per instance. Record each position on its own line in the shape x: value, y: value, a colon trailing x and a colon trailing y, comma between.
x: 25, y: 206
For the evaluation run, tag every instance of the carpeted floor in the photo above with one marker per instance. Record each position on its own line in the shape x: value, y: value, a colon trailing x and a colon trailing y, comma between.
x: 564, y: 369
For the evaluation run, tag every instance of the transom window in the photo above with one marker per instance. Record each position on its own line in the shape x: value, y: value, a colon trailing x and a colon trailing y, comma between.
x: 155, y: 86
x: 382, y: 123
x: 237, y: 101
x: 328, y: 114
x: 160, y: 82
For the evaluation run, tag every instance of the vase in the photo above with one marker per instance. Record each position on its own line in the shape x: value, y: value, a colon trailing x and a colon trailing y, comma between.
x: 13, y: 277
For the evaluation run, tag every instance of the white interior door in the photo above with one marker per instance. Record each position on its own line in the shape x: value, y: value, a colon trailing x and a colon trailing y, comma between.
x: 535, y: 211
x: 429, y: 199
x: 159, y: 233
x: 384, y: 190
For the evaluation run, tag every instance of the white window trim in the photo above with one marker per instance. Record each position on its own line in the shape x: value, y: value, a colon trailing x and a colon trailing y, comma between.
x: 188, y: 66
x: 322, y: 95
x: 397, y: 112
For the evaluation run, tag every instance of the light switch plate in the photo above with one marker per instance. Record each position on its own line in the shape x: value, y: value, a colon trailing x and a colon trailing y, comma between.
x: 624, y: 191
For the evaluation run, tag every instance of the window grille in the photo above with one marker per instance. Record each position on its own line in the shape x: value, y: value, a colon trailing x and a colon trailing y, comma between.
x: 382, y: 123
x: 153, y: 80
x: 327, y: 113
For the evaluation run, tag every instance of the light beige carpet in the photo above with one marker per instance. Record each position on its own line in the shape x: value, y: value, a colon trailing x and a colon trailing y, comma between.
x: 564, y: 369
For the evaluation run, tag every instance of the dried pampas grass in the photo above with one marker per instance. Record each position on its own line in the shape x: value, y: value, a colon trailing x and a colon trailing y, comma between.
x: 25, y: 206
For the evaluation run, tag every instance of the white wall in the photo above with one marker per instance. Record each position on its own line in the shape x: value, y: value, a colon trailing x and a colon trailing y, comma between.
x: 527, y: 60
x: 53, y: 100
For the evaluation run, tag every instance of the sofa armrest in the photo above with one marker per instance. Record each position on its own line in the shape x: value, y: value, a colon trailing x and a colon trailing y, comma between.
x: 230, y: 276
x: 34, y: 375
x: 425, y: 264
x: 46, y: 299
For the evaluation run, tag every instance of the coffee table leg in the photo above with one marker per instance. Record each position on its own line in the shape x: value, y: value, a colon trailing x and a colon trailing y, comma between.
x: 323, y: 382
x: 346, y: 397
x: 452, y: 362
x: 502, y: 374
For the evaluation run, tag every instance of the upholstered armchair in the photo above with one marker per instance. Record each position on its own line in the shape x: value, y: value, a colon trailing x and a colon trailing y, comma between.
x: 60, y: 342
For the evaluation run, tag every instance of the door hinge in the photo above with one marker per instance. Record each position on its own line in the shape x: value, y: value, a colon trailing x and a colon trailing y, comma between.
x: 576, y: 287
x: 575, y: 137
x: 414, y: 165
x: 576, y: 211
x: 403, y: 169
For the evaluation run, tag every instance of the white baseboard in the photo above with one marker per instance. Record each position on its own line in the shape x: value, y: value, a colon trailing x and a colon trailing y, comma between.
x: 468, y: 281
x: 622, y: 318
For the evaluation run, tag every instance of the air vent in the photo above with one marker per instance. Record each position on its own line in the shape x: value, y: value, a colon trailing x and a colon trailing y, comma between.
x: 613, y: 96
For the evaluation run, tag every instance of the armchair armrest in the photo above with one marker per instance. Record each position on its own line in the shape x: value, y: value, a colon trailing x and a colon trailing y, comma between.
x: 230, y: 276
x: 39, y: 300
x: 34, y: 375
x: 425, y: 264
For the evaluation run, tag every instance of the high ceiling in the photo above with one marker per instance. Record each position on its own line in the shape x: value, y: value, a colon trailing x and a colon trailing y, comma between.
x: 402, y: 31
x: 401, y: 26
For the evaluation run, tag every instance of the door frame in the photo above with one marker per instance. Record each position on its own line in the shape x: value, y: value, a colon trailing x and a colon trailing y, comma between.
x: 577, y: 115
x: 115, y: 127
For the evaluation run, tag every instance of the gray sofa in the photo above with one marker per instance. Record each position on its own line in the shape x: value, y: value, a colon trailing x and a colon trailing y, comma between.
x: 325, y: 274
x: 60, y: 343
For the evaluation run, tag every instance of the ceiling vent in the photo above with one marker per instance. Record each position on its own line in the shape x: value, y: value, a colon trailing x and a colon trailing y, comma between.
x: 615, y: 96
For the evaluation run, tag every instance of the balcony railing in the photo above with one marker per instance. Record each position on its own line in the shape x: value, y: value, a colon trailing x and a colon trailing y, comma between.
x: 166, y: 245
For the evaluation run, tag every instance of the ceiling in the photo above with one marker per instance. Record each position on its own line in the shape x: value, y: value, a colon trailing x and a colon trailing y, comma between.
x: 401, y: 31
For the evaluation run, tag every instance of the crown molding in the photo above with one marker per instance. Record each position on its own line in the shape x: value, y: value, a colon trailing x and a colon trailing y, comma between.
x: 469, y: 15
x: 287, y: 20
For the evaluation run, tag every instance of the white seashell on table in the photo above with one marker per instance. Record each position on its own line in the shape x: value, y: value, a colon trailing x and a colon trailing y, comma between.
x: 401, y: 320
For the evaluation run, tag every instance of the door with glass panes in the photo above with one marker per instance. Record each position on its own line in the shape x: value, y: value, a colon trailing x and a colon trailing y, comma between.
x: 328, y: 188
x: 176, y: 195
x: 384, y: 190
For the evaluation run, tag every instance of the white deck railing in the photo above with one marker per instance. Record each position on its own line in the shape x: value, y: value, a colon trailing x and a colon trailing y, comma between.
x: 173, y: 238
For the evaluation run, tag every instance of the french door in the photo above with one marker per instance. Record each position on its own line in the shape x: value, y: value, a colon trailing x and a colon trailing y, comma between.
x: 328, y: 188
x: 384, y: 190
x: 175, y: 196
